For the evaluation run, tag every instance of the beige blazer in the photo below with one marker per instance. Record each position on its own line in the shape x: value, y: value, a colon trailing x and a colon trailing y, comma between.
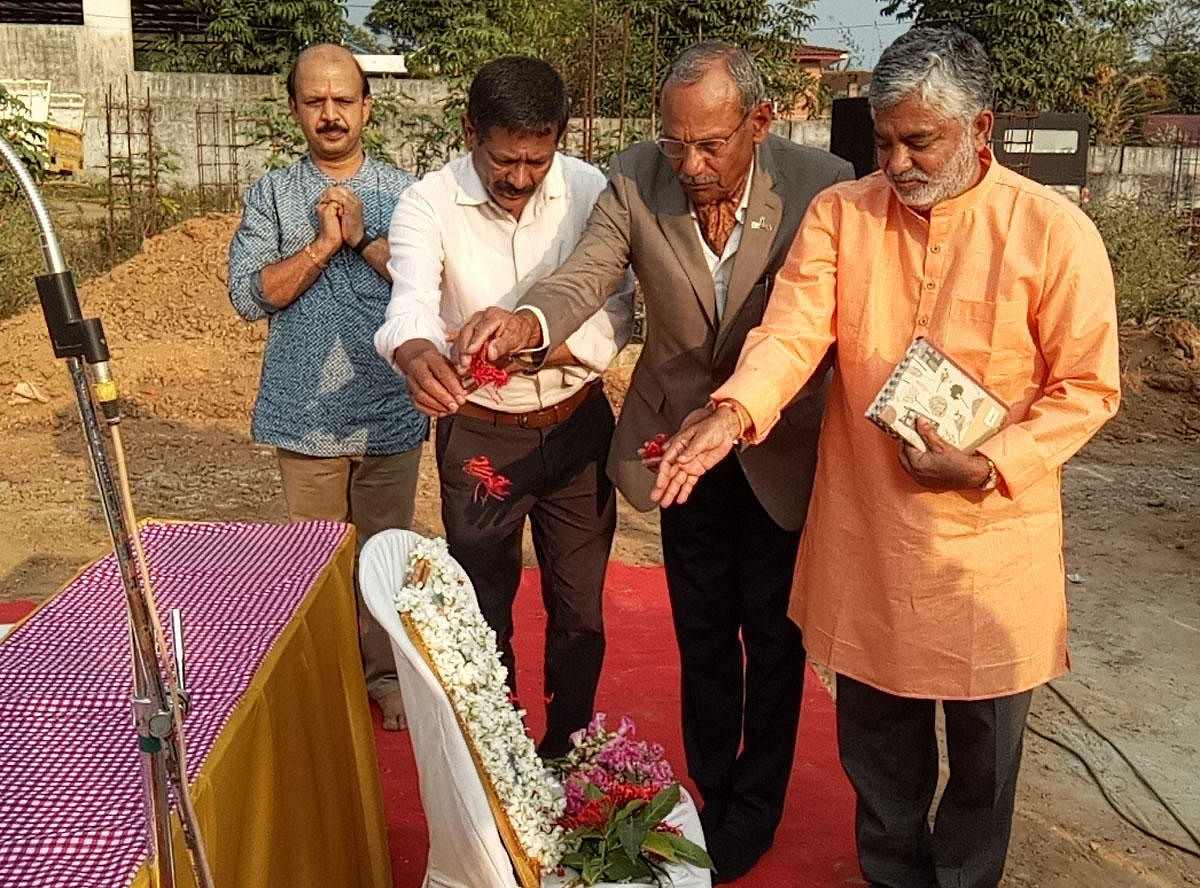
x: 643, y: 219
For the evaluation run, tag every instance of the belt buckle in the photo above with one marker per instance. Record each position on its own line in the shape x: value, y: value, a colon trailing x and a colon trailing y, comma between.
x: 523, y: 420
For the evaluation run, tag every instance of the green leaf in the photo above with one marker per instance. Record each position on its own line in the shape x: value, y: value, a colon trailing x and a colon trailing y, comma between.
x: 574, y: 859
x: 592, y: 870
x: 663, y: 803
x: 593, y: 792
x: 626, y: 869
x: 631, y: 834
x: 685, y: 850
x: 629, y: 808
x: 661, y: 844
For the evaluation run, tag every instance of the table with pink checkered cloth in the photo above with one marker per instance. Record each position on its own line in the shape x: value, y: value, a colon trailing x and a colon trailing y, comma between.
x: 70, y: 780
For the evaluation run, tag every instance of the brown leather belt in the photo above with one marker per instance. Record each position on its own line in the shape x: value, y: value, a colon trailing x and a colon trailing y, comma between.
x: 536, y: 419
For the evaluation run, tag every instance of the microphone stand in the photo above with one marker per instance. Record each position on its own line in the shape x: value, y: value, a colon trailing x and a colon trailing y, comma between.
x: 158, y: 704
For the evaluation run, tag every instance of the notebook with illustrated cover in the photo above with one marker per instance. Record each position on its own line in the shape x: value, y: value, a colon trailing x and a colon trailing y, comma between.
x: 927, y: 383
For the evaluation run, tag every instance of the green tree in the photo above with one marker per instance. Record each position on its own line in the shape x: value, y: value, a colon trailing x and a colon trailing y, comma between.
x: 1173, y: 40
x: 247, y: 36
x: 1149, y: 258
x: 1183, y: 72
x: 1045, y: 52
x: 28, y: 140
x: 455, y: 37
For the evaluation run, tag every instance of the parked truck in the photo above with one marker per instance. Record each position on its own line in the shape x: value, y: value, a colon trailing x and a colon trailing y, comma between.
x: 62, y: 116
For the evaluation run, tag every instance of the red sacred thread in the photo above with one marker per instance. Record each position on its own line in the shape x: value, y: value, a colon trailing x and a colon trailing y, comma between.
x: 654, y: 447
x: 484, y: 372
x: 491, y: 483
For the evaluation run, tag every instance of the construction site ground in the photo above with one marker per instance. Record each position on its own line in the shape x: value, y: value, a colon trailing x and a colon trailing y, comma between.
x: 188, y: 368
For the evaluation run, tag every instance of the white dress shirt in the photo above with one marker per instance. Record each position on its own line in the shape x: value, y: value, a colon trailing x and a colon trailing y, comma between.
x: 721, y: 267
x: 454, y: 252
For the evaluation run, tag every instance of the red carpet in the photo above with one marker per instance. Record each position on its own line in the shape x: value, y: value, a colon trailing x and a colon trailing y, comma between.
x: 14, y: 611
x: 814, y: 847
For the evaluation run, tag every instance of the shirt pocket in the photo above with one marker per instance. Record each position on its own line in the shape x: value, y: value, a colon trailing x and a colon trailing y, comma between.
x: 990, y: 339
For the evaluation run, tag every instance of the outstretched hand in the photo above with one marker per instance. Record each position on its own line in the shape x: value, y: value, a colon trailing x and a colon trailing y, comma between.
x: 942, y: 466
x: 434, y: 387
x: 691, y: 452
x: 502, y: 332
x: 651, y: 453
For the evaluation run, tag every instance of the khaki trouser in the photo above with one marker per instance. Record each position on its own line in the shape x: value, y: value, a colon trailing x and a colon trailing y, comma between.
x: 373, y: 493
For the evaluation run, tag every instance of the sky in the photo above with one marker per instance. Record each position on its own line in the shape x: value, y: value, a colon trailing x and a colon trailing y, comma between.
x: 855, y: 25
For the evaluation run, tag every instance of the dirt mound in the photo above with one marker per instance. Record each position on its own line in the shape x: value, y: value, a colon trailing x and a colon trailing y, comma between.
x: 1160, y: 375
x: 179, y: 349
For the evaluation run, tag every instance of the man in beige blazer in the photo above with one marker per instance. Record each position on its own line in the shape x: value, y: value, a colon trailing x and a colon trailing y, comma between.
x: 705, y: 217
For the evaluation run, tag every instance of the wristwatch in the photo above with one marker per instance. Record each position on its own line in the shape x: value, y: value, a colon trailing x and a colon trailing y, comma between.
x: 367, y: 239
x: 992, y: 481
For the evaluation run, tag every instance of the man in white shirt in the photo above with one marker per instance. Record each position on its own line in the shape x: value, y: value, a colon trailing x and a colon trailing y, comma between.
x: 478, y: 233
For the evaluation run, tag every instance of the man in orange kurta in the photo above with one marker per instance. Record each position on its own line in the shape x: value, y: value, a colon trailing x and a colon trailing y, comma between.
x: 931, y: 575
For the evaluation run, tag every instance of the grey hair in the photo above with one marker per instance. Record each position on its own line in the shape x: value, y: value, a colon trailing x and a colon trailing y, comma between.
x: 945, y: 67
x: 693, y: 63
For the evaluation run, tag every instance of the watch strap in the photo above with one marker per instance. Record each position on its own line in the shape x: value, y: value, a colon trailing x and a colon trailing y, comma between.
x: 367, y: 239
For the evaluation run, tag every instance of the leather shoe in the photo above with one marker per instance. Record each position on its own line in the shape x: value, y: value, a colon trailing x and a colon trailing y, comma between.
x: 733, y: 856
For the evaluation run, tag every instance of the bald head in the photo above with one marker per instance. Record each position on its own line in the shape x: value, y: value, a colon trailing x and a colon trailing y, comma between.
x: 329, y: 97
x: 324, y: 56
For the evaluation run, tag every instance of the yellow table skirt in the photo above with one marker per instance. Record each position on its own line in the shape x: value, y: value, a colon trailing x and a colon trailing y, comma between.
x: 289, y: 796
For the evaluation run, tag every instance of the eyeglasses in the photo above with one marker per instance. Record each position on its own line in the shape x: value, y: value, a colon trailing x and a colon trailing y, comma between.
x: 676, y: 149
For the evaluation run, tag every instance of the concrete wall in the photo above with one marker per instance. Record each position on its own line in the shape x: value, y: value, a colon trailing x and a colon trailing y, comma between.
x: 75, y: 59
x: 814, y: 133
x: 89, y: 59
x: 1150, y: 171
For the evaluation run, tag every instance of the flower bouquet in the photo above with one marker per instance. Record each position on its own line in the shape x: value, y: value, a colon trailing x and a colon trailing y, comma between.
x: 619, y: 792
x: 603, y: 809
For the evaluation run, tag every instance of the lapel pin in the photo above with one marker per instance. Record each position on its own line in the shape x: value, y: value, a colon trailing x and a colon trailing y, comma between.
x: 761, y: 222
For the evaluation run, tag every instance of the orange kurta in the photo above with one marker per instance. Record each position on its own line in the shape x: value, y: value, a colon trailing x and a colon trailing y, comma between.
x: 958, y: 594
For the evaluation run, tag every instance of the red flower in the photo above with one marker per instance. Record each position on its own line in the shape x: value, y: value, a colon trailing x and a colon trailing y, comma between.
x: 491, y: 483
x: 654, y: 447
x: 597, y: 812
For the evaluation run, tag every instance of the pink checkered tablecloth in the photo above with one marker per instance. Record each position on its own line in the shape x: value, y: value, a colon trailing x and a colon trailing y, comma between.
x: 70, y: 782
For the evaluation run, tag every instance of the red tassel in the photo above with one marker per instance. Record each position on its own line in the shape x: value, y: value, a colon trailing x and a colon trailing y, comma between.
x: 491, y: 484
x: 484, y: 372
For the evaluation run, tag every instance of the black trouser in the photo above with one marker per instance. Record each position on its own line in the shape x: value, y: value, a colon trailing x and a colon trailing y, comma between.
x: 729, y: 571
x: 889, y: 750
x: 558, y: 480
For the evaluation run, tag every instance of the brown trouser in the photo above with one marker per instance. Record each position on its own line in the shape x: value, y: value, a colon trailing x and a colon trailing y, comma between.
x: 373, y: 493
x: 558, y: 483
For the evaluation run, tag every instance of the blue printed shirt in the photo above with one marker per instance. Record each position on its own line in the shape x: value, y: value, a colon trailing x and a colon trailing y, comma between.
x: 324, y: 390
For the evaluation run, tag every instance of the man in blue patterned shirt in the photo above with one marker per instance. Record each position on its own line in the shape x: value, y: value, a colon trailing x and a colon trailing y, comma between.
x: 311, y: 257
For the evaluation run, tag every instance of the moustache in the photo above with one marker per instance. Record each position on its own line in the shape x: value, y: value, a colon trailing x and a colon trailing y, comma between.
x: 506, y: 190
x: 698, y: 181
x: 332, y: 128
x: 911, y: 176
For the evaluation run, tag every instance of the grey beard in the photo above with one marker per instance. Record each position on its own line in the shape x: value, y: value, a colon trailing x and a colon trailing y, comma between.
x: 950, y: 181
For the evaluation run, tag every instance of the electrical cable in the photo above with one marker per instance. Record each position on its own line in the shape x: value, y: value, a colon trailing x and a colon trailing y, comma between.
x: 1104, y: 789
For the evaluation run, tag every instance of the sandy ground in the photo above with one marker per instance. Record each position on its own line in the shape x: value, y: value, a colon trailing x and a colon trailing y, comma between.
x: 1132, y: 499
